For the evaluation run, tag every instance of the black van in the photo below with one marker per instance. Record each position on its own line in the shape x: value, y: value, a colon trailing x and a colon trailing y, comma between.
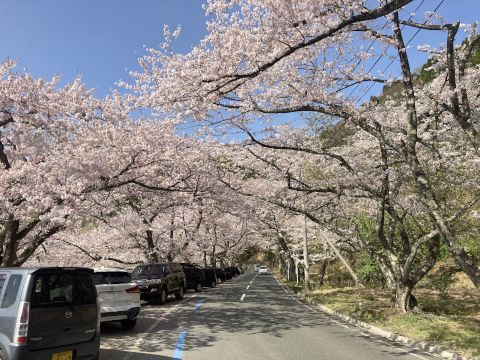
x: 157, y: 281
x: 48, y: 313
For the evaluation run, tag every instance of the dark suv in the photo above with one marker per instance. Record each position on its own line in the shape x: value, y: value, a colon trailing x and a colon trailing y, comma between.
x: 210, y: 277
x: 157, y: 281
x: 48, y: 313
x: 235, y: 271
x: 195, y: 276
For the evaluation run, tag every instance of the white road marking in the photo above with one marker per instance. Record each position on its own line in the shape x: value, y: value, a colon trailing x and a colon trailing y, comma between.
x: 248, y: 287
x: 242, y: 298
x: 413, y: 354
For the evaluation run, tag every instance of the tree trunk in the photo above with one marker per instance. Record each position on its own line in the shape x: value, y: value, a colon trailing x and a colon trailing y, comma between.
x: 322, y: 271
x: 290, y: 268
x: 404, y: 299
x: 282, y: 266
x: 296, y: 272
x: 11, y: 241
x: 213, y: 260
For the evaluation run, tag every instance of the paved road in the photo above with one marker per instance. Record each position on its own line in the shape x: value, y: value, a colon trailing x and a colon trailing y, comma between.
x: 250, y: 317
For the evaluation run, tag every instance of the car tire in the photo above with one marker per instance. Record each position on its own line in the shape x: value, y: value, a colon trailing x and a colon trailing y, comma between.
x: 128, y: 324
x: 198, y: 288
x: 179, y: 294
x: 163, y: 296
x: 213, y: 284
x: 2, y: 355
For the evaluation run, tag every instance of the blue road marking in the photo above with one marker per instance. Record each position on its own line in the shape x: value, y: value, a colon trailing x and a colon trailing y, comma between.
x: 180, y: 345
x: 198, y: 305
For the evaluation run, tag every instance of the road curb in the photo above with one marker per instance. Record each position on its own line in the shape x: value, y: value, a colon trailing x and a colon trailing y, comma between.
x: 417, y: 345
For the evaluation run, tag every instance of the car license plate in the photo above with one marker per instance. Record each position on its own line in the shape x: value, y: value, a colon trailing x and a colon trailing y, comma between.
x: 110, y: 295
x: 66, y: 355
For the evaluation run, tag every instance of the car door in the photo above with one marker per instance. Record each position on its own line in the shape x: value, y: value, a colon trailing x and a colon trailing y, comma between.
x: 167, y: 279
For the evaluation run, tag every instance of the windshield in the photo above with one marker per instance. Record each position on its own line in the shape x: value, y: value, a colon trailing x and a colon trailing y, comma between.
x: 147, y: 271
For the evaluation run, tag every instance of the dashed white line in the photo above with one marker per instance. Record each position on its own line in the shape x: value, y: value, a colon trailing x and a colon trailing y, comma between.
x: 248, y: 287
x: 242, y: 298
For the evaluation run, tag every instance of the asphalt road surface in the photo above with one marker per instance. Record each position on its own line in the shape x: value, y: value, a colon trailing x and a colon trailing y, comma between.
x: 250, y: 317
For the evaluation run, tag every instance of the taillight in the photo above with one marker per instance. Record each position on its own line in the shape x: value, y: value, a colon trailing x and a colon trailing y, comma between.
x: 21, y: 327
x: 134, y: 289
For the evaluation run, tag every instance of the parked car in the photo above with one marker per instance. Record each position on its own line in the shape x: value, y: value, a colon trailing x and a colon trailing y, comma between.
x: 228, y: 274
x: 256, y: 267
x: 157, y: 281
x: 210, y: 277
x: 235, y: 271
x: 48, y: 313
x: 221, y: 275
x: 262, y: 270
x: 118, y: 296
x: 194, y: 275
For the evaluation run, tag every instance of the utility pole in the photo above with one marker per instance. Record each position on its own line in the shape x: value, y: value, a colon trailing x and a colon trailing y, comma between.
x: 306, y: 273
x: 305, y: 253
x: 342, y: 259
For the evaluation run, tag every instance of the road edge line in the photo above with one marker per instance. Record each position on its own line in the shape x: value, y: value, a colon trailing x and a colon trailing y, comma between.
x: 425, y: 347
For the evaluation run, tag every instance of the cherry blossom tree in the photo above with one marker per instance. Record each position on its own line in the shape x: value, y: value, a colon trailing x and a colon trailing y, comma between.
x: 262, y: 58
x: 37, y: 117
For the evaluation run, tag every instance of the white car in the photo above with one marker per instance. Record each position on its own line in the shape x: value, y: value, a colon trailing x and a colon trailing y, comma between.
x: 262, y: 270
x: 118, y: 296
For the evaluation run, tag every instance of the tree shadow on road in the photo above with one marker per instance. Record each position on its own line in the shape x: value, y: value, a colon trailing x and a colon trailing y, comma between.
x: 112, y: 354
x: 268, y: 310
x: 218, y: 314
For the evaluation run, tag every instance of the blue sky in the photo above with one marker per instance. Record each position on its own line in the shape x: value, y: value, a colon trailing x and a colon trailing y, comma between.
x: 100, y: 39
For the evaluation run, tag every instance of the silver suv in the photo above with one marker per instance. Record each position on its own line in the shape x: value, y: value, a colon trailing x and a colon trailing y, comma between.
x: 48, y: 313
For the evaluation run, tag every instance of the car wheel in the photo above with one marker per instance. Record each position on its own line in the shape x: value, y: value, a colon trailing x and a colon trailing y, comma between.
x: 163, y: 296
x: 128, y: 324
x: 179, y: 294
x: 2, y: 355
x: 198, y: 288
x: 213, y: 284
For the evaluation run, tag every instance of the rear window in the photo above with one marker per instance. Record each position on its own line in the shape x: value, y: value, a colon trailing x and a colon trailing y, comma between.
x: 60, y: 288
x: 113, y: 277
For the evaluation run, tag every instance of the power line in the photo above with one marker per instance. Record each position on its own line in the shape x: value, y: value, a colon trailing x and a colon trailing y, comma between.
x: 381, y: 56
x: 396, y: 57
